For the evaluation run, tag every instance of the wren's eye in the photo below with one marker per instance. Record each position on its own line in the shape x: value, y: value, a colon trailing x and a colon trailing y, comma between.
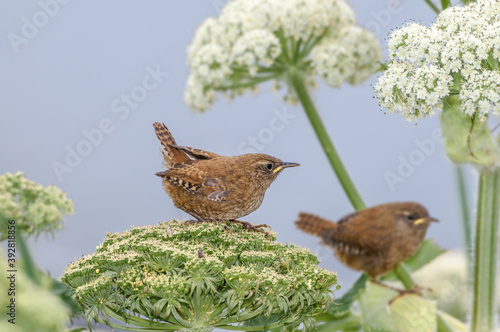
x: 269, y: 167
x: 410, y: 217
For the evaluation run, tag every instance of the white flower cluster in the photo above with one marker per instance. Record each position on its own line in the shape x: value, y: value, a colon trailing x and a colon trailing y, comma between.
x: 349, y: 57
x: 459, y: 54
x: 257, y: 40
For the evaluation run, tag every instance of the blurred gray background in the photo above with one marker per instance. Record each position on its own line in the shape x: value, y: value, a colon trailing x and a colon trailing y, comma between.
x: 69, y: 76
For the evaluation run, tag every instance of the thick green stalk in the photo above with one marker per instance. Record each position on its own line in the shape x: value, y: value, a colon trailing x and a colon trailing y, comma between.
x: 485, y: 260
x: 465, y: 211
x: 326, y: 142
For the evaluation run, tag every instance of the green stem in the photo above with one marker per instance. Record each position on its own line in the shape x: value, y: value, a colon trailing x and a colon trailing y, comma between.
x: 326, y: 143
x: 248, y: 84
x: 484, y: 274
x: 27, y: 261
x: 339, y: 324
x: 445, y: 4
x: 404, y: 275
x: 433, y: 6
x: 465, y: 211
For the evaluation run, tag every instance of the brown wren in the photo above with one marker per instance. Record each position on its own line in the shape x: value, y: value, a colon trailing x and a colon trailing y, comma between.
x: 211, y: 187
x: 374, y: 240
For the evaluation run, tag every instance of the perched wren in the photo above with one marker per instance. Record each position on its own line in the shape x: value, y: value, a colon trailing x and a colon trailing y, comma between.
x: 211, y: 187
x: 374, y: 240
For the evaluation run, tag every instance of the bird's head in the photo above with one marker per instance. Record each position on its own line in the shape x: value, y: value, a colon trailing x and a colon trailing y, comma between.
x: 413, y: 215
x: 265, y: 168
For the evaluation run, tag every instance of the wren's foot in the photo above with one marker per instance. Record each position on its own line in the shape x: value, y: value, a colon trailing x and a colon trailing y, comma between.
x: 249, y: 227
x: 416, y: 290
x: 200, y: 219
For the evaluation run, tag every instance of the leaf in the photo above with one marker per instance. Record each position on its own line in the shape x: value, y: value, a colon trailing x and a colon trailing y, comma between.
x: 80, y: 329
x: 449, y: 323
x: 427, y: 252
x: 346, y: 323
x: 369, y: 328
x: 408, y: 313
x: 466, y: 139
x: 66, y: 295
x: 342, y: 306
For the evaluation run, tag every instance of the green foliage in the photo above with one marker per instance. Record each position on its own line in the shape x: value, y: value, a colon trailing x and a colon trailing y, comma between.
x: 409, y: 313
x: 34, y: 208
x: 342, y: 307
x: 446, y: 322
x: 344, y: 315
x: 157, y: 277
x: 37, y: 307
x: 466, y: 139
x: 368, y: 328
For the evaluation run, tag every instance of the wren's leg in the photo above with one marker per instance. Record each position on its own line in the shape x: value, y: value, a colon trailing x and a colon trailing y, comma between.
x: 198, y: 219
x: 378, y: 282
x: 248, y: 226
x: 416, y: 289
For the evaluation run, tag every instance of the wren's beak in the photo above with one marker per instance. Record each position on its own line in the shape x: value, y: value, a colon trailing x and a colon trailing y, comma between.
x: 160, y: 174
x: 422, y: 220
x: 285, y: 165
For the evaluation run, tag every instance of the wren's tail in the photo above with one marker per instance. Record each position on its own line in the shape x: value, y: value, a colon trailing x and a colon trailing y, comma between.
x: 313, y: 224
x: 171, y: 155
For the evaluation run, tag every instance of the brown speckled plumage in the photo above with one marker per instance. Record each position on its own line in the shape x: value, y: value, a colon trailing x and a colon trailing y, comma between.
x: 374, y: 240
x: 212, y: 187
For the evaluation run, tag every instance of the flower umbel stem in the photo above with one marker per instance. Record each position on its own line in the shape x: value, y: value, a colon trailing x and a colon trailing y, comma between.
x: 433, y: 6
x: 485, y: 261
x: 326, y: 143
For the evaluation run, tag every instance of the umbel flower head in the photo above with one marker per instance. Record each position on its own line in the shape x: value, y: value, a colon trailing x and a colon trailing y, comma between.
x: 176, y: 275
x: 457, y: 55
x: 253, y: 41
x: 34, y: 208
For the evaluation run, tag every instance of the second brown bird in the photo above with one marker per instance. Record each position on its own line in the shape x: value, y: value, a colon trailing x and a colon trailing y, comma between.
x: 211, y: 187
x: 374, y: 240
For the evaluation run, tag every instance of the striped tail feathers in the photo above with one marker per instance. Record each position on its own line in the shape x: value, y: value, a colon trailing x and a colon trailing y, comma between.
x: 171, y: 154
x: 313, y: 224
